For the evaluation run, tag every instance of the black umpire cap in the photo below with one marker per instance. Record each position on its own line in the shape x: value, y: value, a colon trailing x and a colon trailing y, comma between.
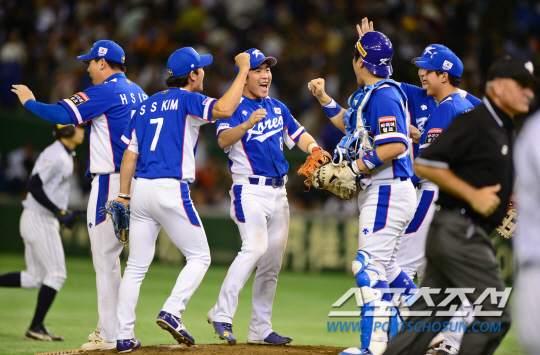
x: 521, y: 70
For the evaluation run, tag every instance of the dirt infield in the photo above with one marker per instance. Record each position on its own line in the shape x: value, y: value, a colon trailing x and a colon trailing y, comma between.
x: 224, y: 349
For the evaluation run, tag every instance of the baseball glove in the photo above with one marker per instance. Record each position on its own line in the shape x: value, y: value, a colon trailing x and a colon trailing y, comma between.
x: 338, y: 180
x: 509, y: 223
x: 314, y: 161
x: 120, y: 218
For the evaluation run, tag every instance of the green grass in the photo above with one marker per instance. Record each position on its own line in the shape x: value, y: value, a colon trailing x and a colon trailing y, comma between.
x: 301, y: 308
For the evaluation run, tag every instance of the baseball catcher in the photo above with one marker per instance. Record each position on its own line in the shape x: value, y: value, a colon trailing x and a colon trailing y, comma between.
x: 119, y: 214
x: 317, y: 158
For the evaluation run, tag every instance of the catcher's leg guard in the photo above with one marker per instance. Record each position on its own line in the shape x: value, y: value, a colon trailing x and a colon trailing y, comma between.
x: 371, y: 280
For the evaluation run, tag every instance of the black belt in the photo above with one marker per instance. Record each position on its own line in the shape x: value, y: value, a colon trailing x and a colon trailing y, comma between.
x: 274, y: 182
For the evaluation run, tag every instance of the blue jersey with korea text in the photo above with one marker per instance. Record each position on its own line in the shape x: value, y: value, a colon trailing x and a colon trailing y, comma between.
x: 421, y: 106
x: 450, y: 107
x: 109, y: 106
x: 260, y: 151
x: 165, y: 131
x: 387, y: 118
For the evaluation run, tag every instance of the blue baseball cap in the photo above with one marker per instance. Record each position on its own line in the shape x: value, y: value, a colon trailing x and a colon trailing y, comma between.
x: 256, y: 58
x: 185, y: 60
x: 105, y: 49
x: 442, y: 59
x: 376, y: 52
x: 428, y: 51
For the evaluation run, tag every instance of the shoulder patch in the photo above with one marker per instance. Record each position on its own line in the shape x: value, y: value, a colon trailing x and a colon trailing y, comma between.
x: 79, y: 98
x: 433, y: 134
x: 164, y: 92
x: 206, y: 101
x: 277, y: 110
x: 387, y: 124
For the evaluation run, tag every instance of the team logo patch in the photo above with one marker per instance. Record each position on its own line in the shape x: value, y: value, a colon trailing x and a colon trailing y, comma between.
x: 102, y: 51
x: 257, y: 53
x: 244, y: 113
x: 387, y: 125
x: 206, y: 101
x: 164, y: 92
x: 423, y: 107
x: 169, y: 71
x: 79, y: 98
x: 123, y: 60
x: 446, y: 65
x: 361, y: 49
x: 433, y: 134
x: 277, y: 110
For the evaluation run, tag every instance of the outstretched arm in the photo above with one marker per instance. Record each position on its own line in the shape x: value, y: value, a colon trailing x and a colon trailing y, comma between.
x: 52, y: 113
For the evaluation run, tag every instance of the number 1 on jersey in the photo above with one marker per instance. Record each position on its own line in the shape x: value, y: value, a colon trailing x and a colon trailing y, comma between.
x: 159, y: 122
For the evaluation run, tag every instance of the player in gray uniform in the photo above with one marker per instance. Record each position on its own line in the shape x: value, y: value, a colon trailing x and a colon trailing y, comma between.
x: 45, y: 210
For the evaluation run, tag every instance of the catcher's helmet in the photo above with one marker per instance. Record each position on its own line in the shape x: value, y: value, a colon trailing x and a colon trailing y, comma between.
x: 63, y: 131
x: 376, y: 51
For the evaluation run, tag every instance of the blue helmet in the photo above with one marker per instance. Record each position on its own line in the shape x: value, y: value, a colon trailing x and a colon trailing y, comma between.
x: 376, y: 51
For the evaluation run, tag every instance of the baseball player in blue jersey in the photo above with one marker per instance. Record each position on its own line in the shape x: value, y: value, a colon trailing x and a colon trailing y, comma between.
x: 253, y: 138
x: 164, y: 132
x: 388, y: 200
x: 45, y: 210
x: 109, y: 105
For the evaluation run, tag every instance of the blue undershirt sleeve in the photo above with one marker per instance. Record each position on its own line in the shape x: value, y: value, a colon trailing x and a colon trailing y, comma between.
x: 52, y: 113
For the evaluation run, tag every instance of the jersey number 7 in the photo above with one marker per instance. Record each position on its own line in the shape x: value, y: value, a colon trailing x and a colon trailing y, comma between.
x: 159, y: 122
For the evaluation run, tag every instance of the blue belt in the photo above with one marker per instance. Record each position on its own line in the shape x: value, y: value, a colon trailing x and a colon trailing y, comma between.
x: 274, y: 182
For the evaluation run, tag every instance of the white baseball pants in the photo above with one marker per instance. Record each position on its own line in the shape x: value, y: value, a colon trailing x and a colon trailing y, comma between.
x: 386, y: 208
x: 160, y: 203
x: 106, y: 250
x: 43, y: 251
x: 411, y: 252
x: 262, y: 215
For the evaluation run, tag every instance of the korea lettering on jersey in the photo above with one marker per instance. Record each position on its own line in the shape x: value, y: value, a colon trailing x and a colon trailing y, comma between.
x: 420, y: 106
x: 388, y: 122
x: 451, y: 106
x: 260, y: 151
x: 109, y: 106
x: 165, y: 131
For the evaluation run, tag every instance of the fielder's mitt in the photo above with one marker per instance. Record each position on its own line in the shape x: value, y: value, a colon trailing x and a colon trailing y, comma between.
x: 509, y: 223
x: 314, y: 161
x: 338, y: 180
x: 120, y: 217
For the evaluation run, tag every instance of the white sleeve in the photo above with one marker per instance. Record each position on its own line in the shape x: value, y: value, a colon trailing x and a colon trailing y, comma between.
x: 134, y: 143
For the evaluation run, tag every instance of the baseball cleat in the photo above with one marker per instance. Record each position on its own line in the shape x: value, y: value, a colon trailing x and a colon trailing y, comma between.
x: 446, y: 350
x: 127, y: 345
x: 272, y: 339
x: 356, y: 351
x: 94, y: 335
x: 98, y: 344
x: 174, y: 325
x: 224, y: 330
x: 42, y: 334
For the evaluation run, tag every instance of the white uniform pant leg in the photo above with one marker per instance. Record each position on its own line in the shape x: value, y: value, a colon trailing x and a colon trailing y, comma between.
x: 454, y: 335
x: 250, y: 207
x: 142, y: 243
x: 44, y: 253
x: 527, y: 307
x: 411, y: 252
x: 106, y: 250
x: 181, y: 221
x: 385, y: 212
x: 268, y: 267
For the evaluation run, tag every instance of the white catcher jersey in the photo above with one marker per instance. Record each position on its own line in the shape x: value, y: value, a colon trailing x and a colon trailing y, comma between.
x: 54, y: 167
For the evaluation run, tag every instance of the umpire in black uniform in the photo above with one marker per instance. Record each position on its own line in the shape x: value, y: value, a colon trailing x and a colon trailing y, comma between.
x: 471, y: 162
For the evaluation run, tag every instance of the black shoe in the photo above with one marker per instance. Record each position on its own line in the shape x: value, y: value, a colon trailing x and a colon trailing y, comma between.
x: 41, y: 334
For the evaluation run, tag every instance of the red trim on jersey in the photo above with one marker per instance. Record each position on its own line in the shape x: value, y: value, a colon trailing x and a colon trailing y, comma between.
x: 246, y: 156
x: 110, y: 140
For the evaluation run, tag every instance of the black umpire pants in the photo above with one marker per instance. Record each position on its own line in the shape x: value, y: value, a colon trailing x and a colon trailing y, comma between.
x: 460, y: 255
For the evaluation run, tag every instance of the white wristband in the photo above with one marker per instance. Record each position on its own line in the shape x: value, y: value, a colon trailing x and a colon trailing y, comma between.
x: 311, y: 146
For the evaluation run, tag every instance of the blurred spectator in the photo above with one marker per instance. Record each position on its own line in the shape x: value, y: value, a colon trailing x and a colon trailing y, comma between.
x: 12, y: 59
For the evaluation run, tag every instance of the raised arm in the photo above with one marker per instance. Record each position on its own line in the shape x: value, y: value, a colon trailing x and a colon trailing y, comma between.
x: 330, y: 107
x: 225, y: 107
